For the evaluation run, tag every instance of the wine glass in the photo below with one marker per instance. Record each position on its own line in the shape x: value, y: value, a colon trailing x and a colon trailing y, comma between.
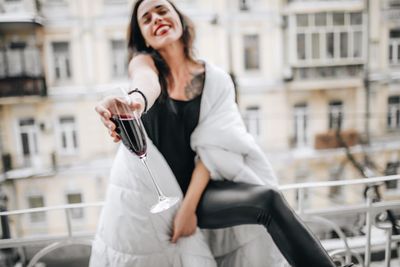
x: 130, y: 128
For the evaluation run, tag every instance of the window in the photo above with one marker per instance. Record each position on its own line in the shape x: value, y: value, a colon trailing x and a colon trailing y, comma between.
x: 394, y: 47
x: 392, y: 168
x: 36, y: 202
x: 62, y: 64
x: 393, y: 118
x: 251, y: 52
x: 321, y: 37
x: 335, y: 115
x: 305, y: 73
x: 252, y: 120
x: 28, y: 135
x: 15, y: 58
x: 68, y: 135
x: 119, y: 59
x: 300, y: 118
x: 74, y: 198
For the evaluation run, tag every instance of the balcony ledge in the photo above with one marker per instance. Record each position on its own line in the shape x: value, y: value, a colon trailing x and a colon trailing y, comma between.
x: 21, y: 18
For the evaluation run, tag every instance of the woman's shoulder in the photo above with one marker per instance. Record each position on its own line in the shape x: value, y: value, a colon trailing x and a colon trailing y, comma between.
x: 218, y: 81
x: 216, y: 72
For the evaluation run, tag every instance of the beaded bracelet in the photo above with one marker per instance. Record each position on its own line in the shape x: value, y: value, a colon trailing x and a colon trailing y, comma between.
x: 144, y: 97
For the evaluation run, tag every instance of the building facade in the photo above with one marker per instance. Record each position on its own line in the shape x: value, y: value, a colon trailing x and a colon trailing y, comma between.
x: 302, y: 69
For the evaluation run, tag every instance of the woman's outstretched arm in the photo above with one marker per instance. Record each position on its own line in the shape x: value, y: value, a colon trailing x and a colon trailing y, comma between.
x: 185, y: 222
x: 143, y: 75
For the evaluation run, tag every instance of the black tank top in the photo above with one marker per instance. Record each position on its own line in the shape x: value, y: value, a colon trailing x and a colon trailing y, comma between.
x: 169, y: 124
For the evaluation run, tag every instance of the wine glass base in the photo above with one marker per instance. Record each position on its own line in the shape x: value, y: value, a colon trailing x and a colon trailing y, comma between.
x: 164, y: 204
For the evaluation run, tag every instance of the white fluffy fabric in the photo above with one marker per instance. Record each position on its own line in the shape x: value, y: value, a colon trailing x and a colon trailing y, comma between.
x: 129, y: 235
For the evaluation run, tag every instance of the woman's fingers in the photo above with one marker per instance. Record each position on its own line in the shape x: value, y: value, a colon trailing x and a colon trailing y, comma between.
x: 176, y: 235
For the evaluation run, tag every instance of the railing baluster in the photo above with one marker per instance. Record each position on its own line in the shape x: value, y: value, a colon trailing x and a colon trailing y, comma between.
x: 300, y: 201
x: 68, y: 217
x: 367, y: 257
x: 388, y: 247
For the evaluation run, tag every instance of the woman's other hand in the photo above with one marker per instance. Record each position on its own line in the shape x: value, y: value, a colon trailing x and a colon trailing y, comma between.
x: 106, y: 107
x: 185, y: 223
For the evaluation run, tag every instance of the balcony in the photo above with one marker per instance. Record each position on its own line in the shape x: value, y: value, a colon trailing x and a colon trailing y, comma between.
x: 21, y: 73
x: 361, y: 231
x: 329, y: 140
x: 19, y: 14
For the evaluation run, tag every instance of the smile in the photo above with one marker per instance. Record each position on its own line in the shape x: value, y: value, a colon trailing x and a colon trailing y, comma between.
x: 161, y: 30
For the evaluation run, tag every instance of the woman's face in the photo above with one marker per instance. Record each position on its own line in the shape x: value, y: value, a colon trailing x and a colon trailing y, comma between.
x: 159, y: 23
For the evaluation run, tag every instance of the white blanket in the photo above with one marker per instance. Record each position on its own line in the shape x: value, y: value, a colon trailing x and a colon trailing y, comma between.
x: 129, y: 235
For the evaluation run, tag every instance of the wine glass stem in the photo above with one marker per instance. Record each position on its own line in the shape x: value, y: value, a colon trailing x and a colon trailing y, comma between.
x: 160, y: 194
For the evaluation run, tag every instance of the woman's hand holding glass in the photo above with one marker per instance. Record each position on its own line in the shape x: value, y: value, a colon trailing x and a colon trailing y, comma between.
x: 121, y: 115
x: 106, y: 108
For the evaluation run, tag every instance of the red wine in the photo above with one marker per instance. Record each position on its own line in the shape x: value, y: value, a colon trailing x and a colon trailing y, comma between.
x: 132, y: 133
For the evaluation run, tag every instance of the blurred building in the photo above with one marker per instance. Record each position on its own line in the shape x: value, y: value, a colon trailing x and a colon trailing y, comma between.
x: 302, y: 68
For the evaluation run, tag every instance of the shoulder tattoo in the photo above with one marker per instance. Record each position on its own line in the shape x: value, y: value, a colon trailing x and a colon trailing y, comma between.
x: 194, y: 87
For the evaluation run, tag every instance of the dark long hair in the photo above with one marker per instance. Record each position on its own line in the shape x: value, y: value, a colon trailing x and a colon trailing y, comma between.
x: 137, y: 44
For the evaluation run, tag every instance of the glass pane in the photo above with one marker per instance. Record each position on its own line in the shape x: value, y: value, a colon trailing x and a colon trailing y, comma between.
x: 67, y: 119
x: 320, y: 19
x: 302, y: 20
x: 301, y: 46
x: 315, y: 46
x: 76, y: 213
x: 64, y: 140
x: 357, y: 43
x: 356, y: 18
x: 74, y: 139
x: 60, y: 47
x: 394, y: 100
x: 74, y: 198
x: 398, y: 52
x: 26, y: 122
x: 251, y: 52
x: 344, y: 43
x: 395, y: 33
x: 25, y: 144
x: 36, y: 202
x: 329, y: 45
x: 338, y: 18
x: 390, y: 52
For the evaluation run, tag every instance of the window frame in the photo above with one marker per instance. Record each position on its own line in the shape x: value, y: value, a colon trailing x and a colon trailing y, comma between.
x: 118, y: 70
x: 335, y: 107
x: 252, y: 120
x: 70, y: 131
x: 33, y: 215
x: 394, y: 49
x: 393, y: 111
x: 323, y: 31
x: 62, y: 61
x: 248, y: 52
x: 74, y: 211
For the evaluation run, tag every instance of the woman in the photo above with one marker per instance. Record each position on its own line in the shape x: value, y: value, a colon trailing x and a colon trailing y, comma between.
x: 196, y: 132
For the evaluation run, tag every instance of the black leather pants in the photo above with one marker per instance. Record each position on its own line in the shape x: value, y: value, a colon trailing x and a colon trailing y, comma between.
x: 225, y: 204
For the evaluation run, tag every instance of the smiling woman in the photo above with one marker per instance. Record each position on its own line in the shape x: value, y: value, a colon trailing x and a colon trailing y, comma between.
x: 196, y: 137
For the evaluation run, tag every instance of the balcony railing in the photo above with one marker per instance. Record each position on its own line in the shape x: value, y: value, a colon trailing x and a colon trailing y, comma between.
x: 343, y: 249
x: 21, y: 73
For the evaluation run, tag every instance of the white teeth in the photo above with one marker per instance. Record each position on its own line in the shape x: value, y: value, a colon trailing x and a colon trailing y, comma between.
x: 162, y: 28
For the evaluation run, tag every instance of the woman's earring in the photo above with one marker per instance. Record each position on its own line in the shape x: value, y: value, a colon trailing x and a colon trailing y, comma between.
x: 147, y: 45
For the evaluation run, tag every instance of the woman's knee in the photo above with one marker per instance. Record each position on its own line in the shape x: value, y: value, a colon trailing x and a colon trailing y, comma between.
x: 267, y: 197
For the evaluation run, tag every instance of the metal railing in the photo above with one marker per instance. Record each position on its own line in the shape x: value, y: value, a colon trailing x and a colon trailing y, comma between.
x: 346, y: 251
